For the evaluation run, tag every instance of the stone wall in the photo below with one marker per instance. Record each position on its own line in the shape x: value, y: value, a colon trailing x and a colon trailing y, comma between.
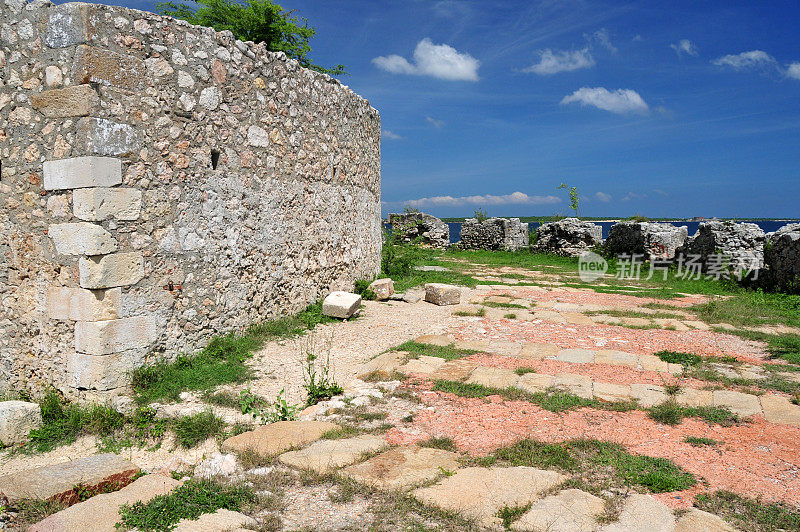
x: 420, y: 227
x: 649, y: 239
x: 162, y: 183
x: 782, y: 259
x: 568, y: 237
x: 740, y: 245
x: 506, y: 234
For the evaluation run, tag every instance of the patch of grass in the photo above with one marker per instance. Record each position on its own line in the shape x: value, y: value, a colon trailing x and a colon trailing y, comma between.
x: 197, y: 428
x: 510, y: 316
x: 222, y: 361
x: 509, y: 514
x: 439, y: 443
x: 675, y: 357
x: 714, y: 415
x: 668, y: 413
x: 553, y: 400
x: 362, y: 288
x: 63, y: 422
x: 447, y: 352
x: 189, y: 501
x: 523, y: 371
x: 783, y: 346
x: 698, y: 441
x: 495, y: 304
x: 750, y: 514
x: 656, y: 474
x: 480, y: 312
x: 751, y: 308
x: 342, y: 432
x: 31, y: 511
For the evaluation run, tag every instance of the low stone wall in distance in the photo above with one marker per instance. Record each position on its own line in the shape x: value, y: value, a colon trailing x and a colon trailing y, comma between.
x: 162, y: 183
x: 507, y: 234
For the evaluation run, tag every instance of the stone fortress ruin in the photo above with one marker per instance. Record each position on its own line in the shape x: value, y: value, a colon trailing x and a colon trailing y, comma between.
x: 162, y: 183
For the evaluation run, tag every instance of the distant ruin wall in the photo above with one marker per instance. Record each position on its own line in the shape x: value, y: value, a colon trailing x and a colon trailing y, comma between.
x: 162, y: 183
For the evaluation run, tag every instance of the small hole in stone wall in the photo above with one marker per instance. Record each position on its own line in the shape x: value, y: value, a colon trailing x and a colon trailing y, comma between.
x: 214, y: 159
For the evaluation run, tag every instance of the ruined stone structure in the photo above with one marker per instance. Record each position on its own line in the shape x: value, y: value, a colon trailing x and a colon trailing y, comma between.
x: 652, y: 240
x: 782, y: 259
x: 568, y: 237
x: 506, y: 234
x: 741, y: 244
x: 162, y: 183
x: 420, y: 227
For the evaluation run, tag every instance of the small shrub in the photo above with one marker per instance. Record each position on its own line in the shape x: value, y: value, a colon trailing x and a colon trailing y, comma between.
x: 510, y: 316
x: 362, y: 288
x: 480, y: 215
x: 319, y: 382
x: 197, y: 428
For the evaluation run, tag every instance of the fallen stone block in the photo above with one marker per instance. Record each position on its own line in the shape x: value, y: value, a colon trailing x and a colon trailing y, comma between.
x: 56, y: 482
x: 480, y: 493
x: 741, y: 404
x: 78, y: 100
x: 114, y: 336
x: 442, y: 294
x: 570, y: 510
x: 111, y: 271
x: 79, y: 304
x: 99, y: 203
x: 324, y: 456
x: 383, y: 288
x: 101, y: 512
x: 82, y: 172
x: 341, y: 304
x: 17, y: 419
x: 82, y: 238
x: 403, y: 466
x: 275, y: 438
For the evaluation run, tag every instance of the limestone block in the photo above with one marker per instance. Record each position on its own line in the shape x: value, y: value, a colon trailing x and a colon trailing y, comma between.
x: 694, y: 398
x: 82, y: 238
x: 17, y: 418
x: 403, y: 466
x: 610, y: 392
x: 442, y: 294
x: 493, y: 377
x: 109, y: 271
x: 96, y: 65
x: 106, y: 137
x: 102, y: 373
x: 221, y: 520
x: 324, y: 456
x: 570, y: 510
x: 695, y: 520
x: 383, y: 288
x: 79, y: 304
x: 741, y: 404
x: 82, y: 172
x: 114, y: 336
x: 535, y: 382
x: 69, y: 24
x: 269, y: 440
x: 435, y: 339
x: 79, y: 100
x: 576, y: 356
x: 643, y: 512
x: 98, y: 204
x: 341, y: 304
x: 779, y: 409
x: 575, y: 384
x: 648, y: 394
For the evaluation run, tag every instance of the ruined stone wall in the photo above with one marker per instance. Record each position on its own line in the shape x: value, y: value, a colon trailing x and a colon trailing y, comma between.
x: 162, y: 183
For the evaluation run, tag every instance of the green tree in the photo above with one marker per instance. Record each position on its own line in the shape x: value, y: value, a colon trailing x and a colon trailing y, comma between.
x: 254, y: 20
x: 573, y: 197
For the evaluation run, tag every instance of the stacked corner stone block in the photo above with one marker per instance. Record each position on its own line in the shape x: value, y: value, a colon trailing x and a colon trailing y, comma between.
x: 107, y: 345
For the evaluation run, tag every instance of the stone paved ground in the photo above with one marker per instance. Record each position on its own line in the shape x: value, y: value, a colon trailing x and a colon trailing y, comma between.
x: 408, y: 456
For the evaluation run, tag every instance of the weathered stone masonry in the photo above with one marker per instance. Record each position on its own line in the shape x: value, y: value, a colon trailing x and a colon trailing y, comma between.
x: 162, y: 183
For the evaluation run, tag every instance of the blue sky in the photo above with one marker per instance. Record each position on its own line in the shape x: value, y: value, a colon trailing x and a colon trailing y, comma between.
x: 679, y: 108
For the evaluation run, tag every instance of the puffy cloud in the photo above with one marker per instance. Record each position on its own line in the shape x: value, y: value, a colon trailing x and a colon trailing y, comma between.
x: 390, y: 135
x: 793, y: 71
x: 633, y: 196
x: 601, y: 37
x: 602, y: 196
x: 620, y: 101
x: 551, y: 62
x: 751, y: 59
x: 436, y: 60
x: 515, y: 198
x: 438, y: 124
x: 684, y: 46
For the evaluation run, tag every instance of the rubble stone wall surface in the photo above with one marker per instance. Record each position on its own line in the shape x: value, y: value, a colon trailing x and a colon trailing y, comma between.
x: 741, y: 245
x: 568, y: 237
x: 419, y: 226
x: 507, y: 234
x: 652, y: 240
x: 162, y: 183
x: 782, y: 258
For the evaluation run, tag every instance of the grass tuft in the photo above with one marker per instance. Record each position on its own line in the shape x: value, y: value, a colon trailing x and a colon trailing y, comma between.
x: 445, y: 444
x: 698, y: 441
x: 197, y: 428
x: 749, y: 514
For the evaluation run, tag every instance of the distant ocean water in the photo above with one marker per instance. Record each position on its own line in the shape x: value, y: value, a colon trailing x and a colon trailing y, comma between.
x: 767, y: 225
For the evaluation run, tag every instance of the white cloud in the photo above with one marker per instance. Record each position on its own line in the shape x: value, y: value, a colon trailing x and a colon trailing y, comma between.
x: 751, y: 59
x: 620, y: 101
x: 451, y: 9
x: 601, y: 37
x: 390, y: 135
x: 793, y: 71
x: 633, y: 196
x: 551, y: 62
x: 602, y: 196
x: 684, y: 46
x: 637, y: 38
x: 438, y: 124
x: 436, y: 60
x: 515, y: 198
